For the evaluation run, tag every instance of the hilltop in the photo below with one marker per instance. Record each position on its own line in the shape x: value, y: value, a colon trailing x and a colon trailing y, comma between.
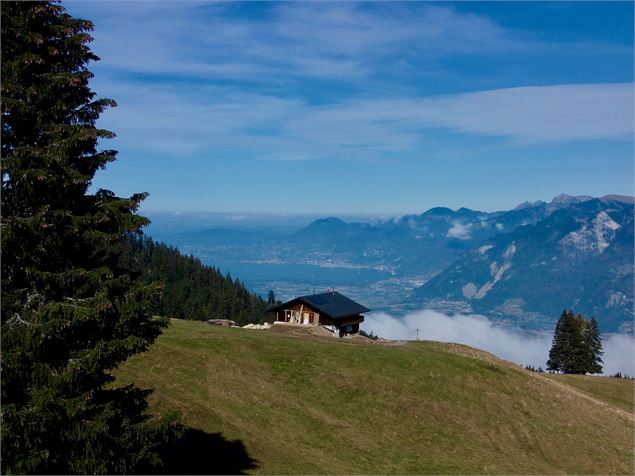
x: 289, y: 401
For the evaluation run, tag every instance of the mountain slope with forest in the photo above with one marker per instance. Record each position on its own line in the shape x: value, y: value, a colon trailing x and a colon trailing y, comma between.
x: 190, y: 290
x: 289, y: 401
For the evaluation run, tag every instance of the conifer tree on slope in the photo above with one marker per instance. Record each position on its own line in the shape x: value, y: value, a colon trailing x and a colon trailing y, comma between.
x: 271, y: 298
x: 594, y: 345
x: 560, y: 345
x: 576, y: 346
x: 70, y: 314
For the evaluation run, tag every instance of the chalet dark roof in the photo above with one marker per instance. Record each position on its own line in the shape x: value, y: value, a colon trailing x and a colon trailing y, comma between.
x: 332, y: 304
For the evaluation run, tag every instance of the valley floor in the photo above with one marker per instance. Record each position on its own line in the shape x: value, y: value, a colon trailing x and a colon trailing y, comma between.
x: 291, y: 402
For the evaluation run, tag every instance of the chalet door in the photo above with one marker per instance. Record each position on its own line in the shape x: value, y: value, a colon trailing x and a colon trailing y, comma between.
x: 306, y: 317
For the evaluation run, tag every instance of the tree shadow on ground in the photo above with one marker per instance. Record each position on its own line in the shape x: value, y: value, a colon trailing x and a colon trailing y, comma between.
x: 198, y: 452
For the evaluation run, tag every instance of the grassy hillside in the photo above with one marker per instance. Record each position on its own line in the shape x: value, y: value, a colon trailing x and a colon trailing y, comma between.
x: 301, y: 403
x: 614, y: 391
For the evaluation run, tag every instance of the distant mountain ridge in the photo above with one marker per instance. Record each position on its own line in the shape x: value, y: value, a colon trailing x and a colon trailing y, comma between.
x: 418, y: 244
x: 459, y: 255
x: 579, y: 257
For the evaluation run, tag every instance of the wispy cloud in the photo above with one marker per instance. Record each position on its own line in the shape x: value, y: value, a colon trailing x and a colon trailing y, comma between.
x: 274, y: 42
x: 187, y: 120
x: 332, y: 39
x: 538, y: 114
x: 509, y: 344
x: 332, y: 80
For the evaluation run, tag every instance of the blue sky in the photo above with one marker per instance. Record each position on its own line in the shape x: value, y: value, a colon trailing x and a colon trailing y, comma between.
x: 364, y: 108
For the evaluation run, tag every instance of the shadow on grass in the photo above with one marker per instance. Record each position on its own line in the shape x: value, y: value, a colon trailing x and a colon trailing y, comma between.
x: 198, y: 452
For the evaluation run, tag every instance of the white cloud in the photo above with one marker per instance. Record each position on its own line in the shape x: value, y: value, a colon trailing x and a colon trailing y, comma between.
x: 194, y: 120
x: 510, y: 344
x: 619, y: 354
x: 330, y: 39
x: 538, y: 114
x: 181, y: 72
x: 532, y: 114
x: 301, y: 39
x: 460, y: 231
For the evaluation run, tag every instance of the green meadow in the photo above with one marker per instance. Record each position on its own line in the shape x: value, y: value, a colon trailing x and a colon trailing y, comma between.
x: 290, y: 401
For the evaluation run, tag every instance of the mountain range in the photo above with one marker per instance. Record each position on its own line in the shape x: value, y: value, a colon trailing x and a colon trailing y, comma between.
x: 578, y: 257
x: 523, y: 265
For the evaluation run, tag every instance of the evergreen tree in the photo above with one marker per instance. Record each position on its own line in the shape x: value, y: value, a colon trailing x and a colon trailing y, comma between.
x: 560, y: 345
x: 70, y: 312
x: 577, y: 360
x: 594, y: 347
x: 191, y: 290
x: 576, y: 347
x: 271, y: 299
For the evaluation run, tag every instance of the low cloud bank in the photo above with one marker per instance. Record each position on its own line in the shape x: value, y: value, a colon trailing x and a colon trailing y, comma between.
x: 619, y: 354
x: 478, y: 331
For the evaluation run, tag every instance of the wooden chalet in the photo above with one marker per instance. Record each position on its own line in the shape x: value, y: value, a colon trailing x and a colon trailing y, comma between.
x: 332, y: 310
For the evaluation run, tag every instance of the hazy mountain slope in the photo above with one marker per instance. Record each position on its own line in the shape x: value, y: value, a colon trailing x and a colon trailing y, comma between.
x: 578, y: 257
x: 415, y: 244
x: 303, y: 404
x: 571, y: 252
x: 411, y: 245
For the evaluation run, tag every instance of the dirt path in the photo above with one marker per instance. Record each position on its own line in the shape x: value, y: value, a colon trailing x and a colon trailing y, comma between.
x: 574, y: 391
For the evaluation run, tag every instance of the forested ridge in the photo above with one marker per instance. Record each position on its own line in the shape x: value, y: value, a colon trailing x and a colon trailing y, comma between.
x: 190, y: 289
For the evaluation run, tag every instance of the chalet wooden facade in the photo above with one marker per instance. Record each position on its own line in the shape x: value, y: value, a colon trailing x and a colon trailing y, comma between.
x: 332, y: 310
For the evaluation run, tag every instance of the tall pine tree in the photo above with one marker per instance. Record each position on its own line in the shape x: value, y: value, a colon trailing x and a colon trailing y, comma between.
x: 576, y: 346
x: 560, y: 345
x: 594, y: 347
x: 271, y: 298
x: 70, y: 314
